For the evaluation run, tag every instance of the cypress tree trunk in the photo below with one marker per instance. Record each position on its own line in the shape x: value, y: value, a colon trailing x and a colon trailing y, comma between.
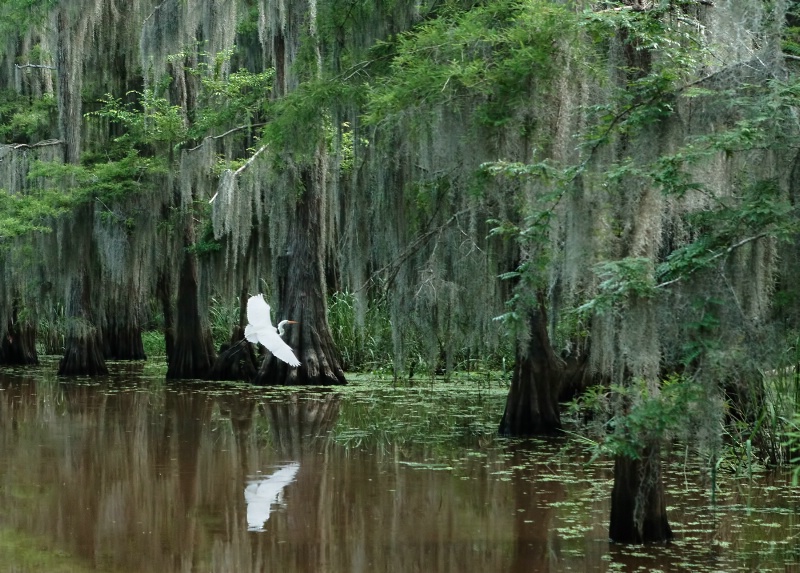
x: 123, y: 341
x: 301, y: 293
x: 193, y: 353
x: 83, y: 354
x: 163, y: 290
x: 638, y: 508
x: 18, y: 346
x: 532, y: 402
x: 236, y: 360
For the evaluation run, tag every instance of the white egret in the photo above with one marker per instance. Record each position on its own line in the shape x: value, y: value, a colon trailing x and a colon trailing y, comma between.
x: 261, y: 331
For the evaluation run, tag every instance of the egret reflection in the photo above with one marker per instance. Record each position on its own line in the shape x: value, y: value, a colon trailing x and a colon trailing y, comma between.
x: 260, y: 494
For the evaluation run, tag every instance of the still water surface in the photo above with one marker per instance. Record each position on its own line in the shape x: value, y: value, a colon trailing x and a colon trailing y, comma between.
x: 132, y: 474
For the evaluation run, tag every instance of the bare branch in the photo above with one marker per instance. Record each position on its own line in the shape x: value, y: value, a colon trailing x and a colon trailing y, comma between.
x: 242, y: 168
x: 20, y: 66
x: 412, y: 248
x: 221, y: 135
x: 32, y: 145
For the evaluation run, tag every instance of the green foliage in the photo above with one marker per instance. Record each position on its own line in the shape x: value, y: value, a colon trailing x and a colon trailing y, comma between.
x: 51, y: 329
x: 223, y: 316
x: 17, y: 16
x: 21, y: 214
x: 149, y: 123
x: 362, y: 347
x: 647, y: 417
x: 241, y: 98
x: 154, y: 343
x: 300, y: 120
x: 24, y: 119
x: 492, y: 54
x: 621, y: 280
x: 205, y: 243
x: 105, y: 181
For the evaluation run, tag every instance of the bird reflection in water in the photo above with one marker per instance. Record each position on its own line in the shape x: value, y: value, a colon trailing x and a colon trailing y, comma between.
x: 261, y: 494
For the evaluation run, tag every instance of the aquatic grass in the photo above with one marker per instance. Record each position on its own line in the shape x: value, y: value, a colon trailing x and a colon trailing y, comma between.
x: 33, y: 554
x: 437, y: 415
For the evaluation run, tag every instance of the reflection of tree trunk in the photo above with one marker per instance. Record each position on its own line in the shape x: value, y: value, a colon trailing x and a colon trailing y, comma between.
x: 193, y: 353
x: 294, y: 422
x: 537, y: 545
x: 18, y: 345
x: 638, y: 508
x: 532, y: 403
x: 301, y: 293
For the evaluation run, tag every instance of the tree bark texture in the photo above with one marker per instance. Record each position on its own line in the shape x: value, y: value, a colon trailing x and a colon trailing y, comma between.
x: 193, y: 353
x: 235, y: 361
x: 301, y: 293
x: 83, y: 354
x: 123, y: 341
x: 638, y: 507
x: 532, y: 403
x: 18, y: 345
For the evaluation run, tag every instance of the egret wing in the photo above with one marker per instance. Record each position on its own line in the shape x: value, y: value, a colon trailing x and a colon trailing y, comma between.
x: 251, y: 334
x: 279, y: 348
x: 258, y: 312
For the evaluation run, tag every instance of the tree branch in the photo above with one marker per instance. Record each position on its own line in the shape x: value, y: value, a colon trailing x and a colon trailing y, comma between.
x: 32, y: 145
x: 221, y: 135
x: 242, y: 168
x: 727, y: 251
x: 20, y: 66
x: 412, y: 248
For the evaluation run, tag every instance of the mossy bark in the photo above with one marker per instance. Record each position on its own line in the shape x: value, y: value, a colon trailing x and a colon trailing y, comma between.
x: 83, y: 354
x: 123, y: 342
x: 18, y: 345
x: 532, y: 403
x: 638, y: 506
x: 193, y: 352
x: 235, y: 361
x: 302, y: 298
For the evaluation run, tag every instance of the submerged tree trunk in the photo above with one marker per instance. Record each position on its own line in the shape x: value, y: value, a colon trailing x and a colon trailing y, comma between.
x: 532, y: 402
x: 638, y: 508
x: 18, y: 346
x: 302, y: 298
x: 193, y: 353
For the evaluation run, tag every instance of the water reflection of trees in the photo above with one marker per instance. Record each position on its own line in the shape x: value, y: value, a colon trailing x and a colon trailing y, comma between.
x: 153, y: 480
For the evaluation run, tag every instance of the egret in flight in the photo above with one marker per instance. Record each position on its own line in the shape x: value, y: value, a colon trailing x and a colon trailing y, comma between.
x: 260, y: 330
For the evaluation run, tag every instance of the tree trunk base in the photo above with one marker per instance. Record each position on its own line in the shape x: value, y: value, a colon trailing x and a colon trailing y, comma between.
x: 193, y: 352
x: 18, y: 346
x: 83, y: 358
x: 638, y: 508
x: 235, y: 361
x: 274, y: 372
x: 532, y: 405
x: 123, y: 343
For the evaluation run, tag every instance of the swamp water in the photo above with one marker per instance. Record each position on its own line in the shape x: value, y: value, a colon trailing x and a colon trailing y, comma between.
x: 132, y: 474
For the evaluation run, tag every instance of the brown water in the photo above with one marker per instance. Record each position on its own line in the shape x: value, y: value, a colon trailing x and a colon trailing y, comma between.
x: 132, y: 474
